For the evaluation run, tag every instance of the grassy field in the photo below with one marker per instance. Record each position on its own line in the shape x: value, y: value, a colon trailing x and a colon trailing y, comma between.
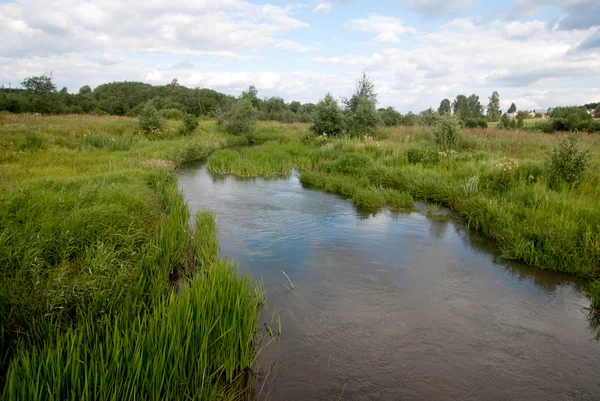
x: 495, y: 179
x: 94, y: 239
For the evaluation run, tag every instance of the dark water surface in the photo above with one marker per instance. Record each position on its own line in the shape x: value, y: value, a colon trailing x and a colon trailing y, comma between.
x: 391, y: 306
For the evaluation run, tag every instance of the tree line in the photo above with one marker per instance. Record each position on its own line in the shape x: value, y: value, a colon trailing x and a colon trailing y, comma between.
x: 39, y: 94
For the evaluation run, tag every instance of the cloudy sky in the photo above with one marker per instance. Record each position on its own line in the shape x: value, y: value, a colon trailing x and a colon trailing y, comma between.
x: 536, y: 53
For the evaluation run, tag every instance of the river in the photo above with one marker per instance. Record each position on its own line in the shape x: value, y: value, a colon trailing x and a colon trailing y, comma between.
x: 391, y: 306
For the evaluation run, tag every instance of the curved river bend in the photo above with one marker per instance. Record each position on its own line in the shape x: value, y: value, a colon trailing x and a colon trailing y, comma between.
x: 391, y: 306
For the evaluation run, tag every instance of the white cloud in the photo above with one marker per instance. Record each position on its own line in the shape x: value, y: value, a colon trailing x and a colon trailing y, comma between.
x: 386, y: 29
x: 437, y: 8
x: 294, y: 46
x: 464, y: 56
x: 323, y: 7
x: 524, y: 30
x: 219, y: 29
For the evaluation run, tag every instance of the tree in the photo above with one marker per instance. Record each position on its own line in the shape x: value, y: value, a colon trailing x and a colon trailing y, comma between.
x: 42, y: 85
x: 328, y: 117
x: 364, y: 89
x: 240, y: 119
x: 444, y: 108
x: 295, y: 106
x: 475, y: 108
x: 85, y: 89
x: 364, y: 119
x: 461, y: 107
x: 390, y: 117
x: 512, y: 108
x: 252, y: 96
x: 493, y: 108
x: 150, y: 120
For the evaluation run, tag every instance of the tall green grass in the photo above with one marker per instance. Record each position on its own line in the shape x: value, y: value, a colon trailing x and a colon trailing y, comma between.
x: 95, y: 241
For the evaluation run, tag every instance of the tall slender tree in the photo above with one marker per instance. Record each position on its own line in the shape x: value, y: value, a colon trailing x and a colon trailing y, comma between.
x: 493, y: 107
x: 444, y: 108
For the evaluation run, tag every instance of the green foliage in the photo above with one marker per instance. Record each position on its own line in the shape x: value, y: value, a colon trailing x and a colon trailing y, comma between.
x: 445, y: 107
x: 364, y: 90
x: 482, y: 123
x: 150, y: 120
x: 493, y: 108
x: 367, y: 197
x: 42, y: 85
x: 567, y: 163
x: 512, y: 108
x: 425, y: 156
x: 390, y: 117
x: 105, y: 142
x: 32, y: 142
x: 328, y: 117
x: 353, y: 164
x: 188, y: 125
x: 240, y: 119
x: 447, y: 133
x: 172, y: 114
x: 364, y: 119
x: 399, y: 199
x: 471, y: 123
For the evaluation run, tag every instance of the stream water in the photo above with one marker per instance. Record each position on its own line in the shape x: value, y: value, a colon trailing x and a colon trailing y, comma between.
x: 390, y: 306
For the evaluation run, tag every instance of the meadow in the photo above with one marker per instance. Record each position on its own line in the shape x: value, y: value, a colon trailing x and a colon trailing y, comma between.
x: 108, y: 291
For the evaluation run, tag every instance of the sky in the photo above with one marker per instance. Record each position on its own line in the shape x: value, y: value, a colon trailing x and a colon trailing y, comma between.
x: 535, y: 53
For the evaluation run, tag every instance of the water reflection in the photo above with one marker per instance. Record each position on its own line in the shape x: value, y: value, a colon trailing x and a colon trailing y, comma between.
x: 394, y: 305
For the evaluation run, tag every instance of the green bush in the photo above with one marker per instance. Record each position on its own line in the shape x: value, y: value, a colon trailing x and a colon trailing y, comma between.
x: 390, y: 117
x: 594, y: 126
x: 567, y: 163
x: 447, y: 132
x: 150, y: 120
x: 482, y: 123
x: 171, y: 114
x: 240, y: 119
x: 188, y: 125
x: 364, y: 119
x: 368, y: 198
x: 328, y: 117
x: 398, y: 199
x: 471, y: 123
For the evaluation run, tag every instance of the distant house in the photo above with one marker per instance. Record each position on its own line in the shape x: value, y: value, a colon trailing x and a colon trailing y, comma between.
x: 512, y: 115
x: 543, y: 113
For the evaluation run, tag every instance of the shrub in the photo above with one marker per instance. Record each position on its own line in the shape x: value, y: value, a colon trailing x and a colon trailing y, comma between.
x: 188, y: 125
x: 471, y: 123
x: 398, y: 199
x: 447, y: 132
x: 390, y: 117
x: 567, y: 163
x: 594, y: 126
x: 172, y: 114
x: 328, y: 117
x: 368, y: 198
x: 482, y: 123
x: 240, y: 119
x: 149, y: 120
x: 364, y: 119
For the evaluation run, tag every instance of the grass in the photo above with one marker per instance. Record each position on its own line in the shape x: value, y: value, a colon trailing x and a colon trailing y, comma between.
x: 94, y: 239
x: 495, y: 179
